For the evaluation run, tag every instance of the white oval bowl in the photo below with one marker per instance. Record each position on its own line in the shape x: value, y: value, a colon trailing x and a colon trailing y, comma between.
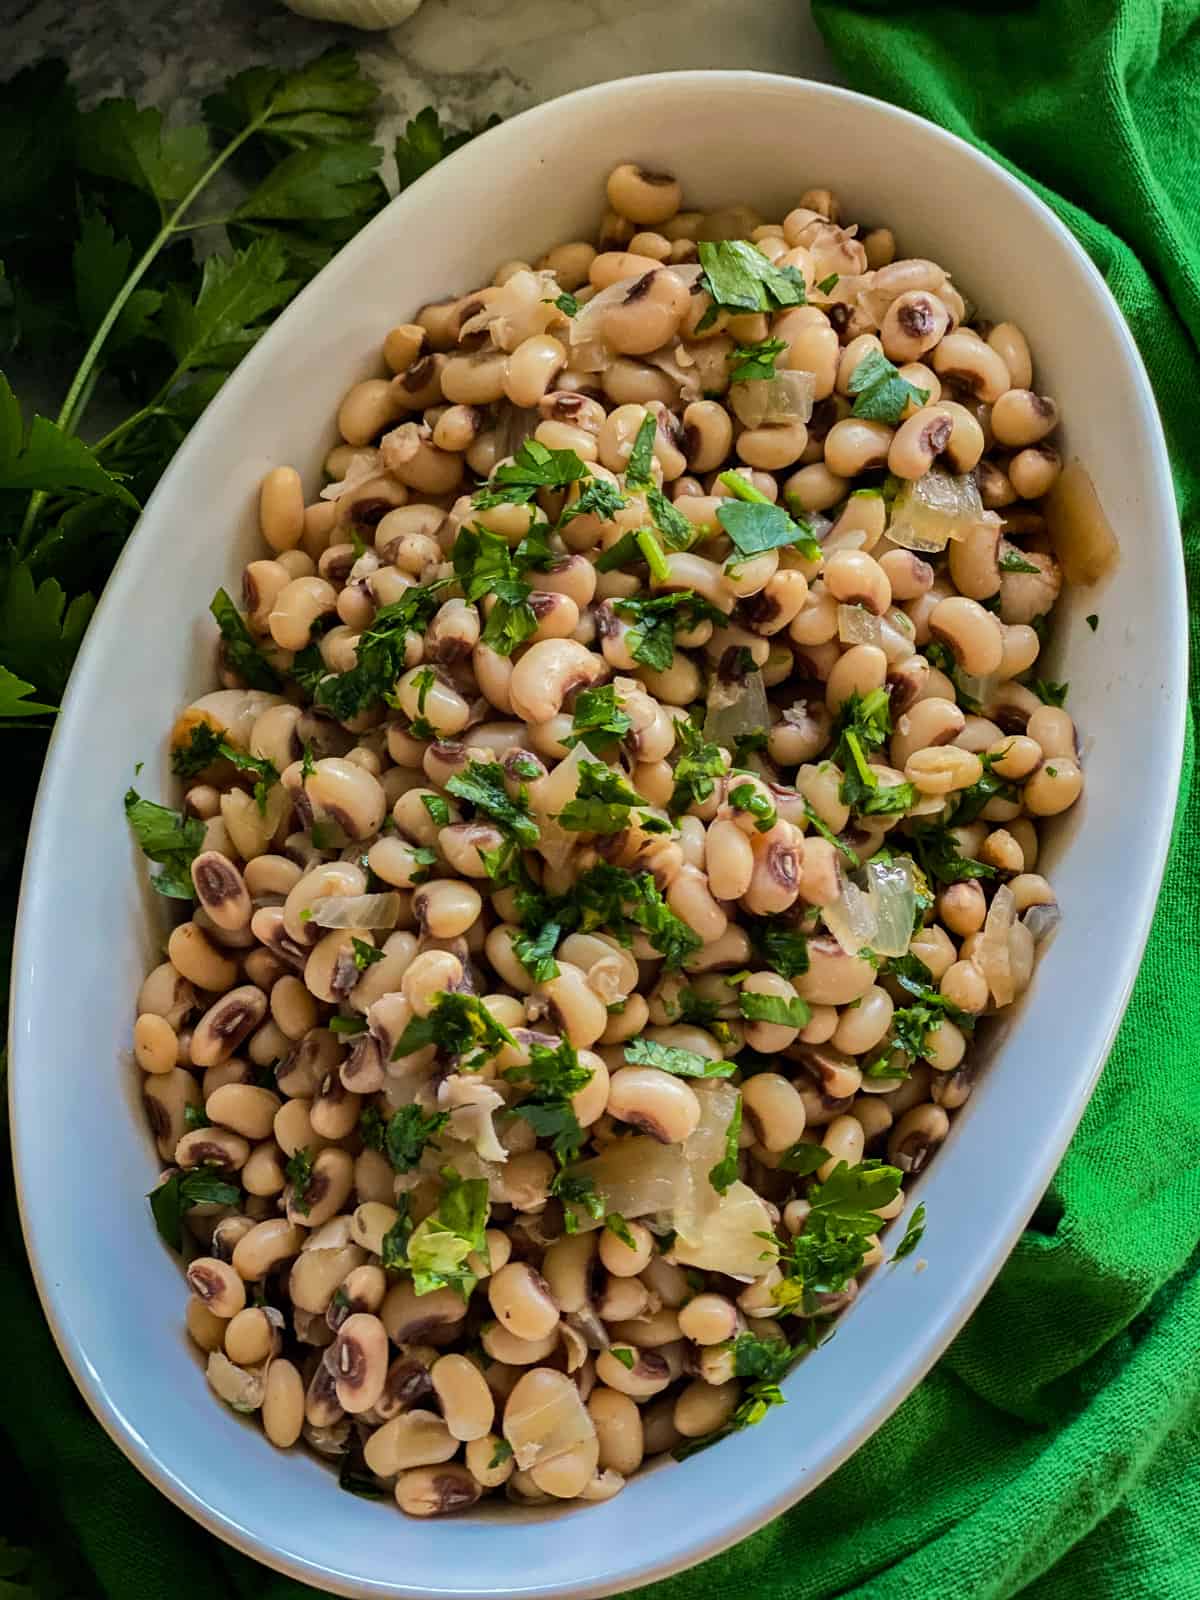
x: 89, y: 929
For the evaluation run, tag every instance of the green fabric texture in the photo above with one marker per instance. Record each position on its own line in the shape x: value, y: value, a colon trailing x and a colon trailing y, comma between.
x: 1055, y: 1451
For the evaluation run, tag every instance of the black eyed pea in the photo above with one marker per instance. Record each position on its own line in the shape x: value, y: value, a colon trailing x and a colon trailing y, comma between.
x: 1034, y: 471
x: 704, y: 1407
x: 1031, y: 889
x: 815, y: 488
x: 654, y: 1101
x: 819, y: 881
x: 1054, y: 787
x: 326, y: 1191
x: 297, y: 607
x: 820, y: 785
x: 547, y: 672
x: 1003, y: 851
x: 858, y: 670
x: 876, y: 1118
x: 861, y: 1028
x: 167, y: 993
x: 771, y: 610
x: 965, y: 986
x: 217, y: 1286
x: 728, y: 859
x: 281, y: 508
x: 821, y: 1025
x: 773, y: 446
x: 775, y: 881
x: 913, y: 324
x: 854, y: 446
x: 367, y: 409
x: 204, y: 1327
x: 271, y: 875
x: 522, y: 1302
x: 920, y: 440
x: 1021, y: 418
x: 197, y: 960
x: 916, y: 1136
x: 446, y: 908
x: 567, y: 1266
x: 262, y: 582
x: 833, y: 978
x: 244, y: 1109
x: 581, y: 1012
x: 619, y: 1434
x: 1007, y: 340
x: 709, y: 1319
x: 409, y: 1317
x: 856, y: 579
x: 963, y: 356
x: 226, y: 1023
x: 616, y: 1254
x: 359, y: 1362
x: 155, y: 1043
x: 241, y: 1388
x: 649, y: 1375
x: 532, y: 367
x: 283, y: 1404
x: 436, y: 1491
x: 621, y: 1025
x: 962, y: 907
x: 292, y: 1007
x: 481, y: 1453
x: 569, y: 263
x: 648, y: 316
x: 372, y: 1220
x: 331, y: 971
x: 707, y: 435
x: 1053, y: 731
x: 973, y: 634
x: 404, y: 344
x: 468, y: 1407
x: 966, y: 443
x: 251, y: 1336
x: 943, y: 769
x: 620, y: 1299
x: 566, y: 1476
x: 934, y: 947
x: 853, y: 354
x: 774, y: 1111
x: 691, y: 899
x: 845, y: 1139
x: 506, y: 1347
x: 643, y: 196
x: 334, y: 1111
x: 416, y: 1438
x: 1021, y: 649
x: 263, y: 1173
x: 929, y: 723
x: 426, y: 692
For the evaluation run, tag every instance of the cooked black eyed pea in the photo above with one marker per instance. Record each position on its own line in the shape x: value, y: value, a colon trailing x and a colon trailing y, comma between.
x: 489, y: 1464
x: 967, y: 440
x: 292, y: 1007
x: 568, y: 1475
x: 642, y: 196
x: 774, y: 1110
x: 833, y: 978
x: 619, y: 1258
x: 649, y: 314
x: 409, y: 1317
x: 962, y: 907
x: 704, y: 1407
x: 503, y: 1346
x: 167, y: 993
x: 919, y: 441
x: 916, y: 1136
x: 217, y: 1286
x: 297, y: 609
x: 963, y: 356
x: 857, y: 579
x: 853, y: 446
x: 707, y: 434
x: 226, y: 1023
x: 241, y: 1388
x: 654, y: 1101
x: 446, y: 908
x: 1034, y: 471
x: 244, y: 1108
x: 930, y: 722
x: 359, y: 1360
x: 1021, y: 418
x: 1053, y: 731
x: 212, y: 1147
x: 649, y: 1375
x: 1054, y: 787
x: 1031, y: 889
x: 943, y: 770
x: 567, y: 1266
x: 221, y: 890
x: 251, y: 1335
x: 348, y: 795
x: 913, y: 323
x: 468, y: 1406
x: 844, y: 1138
x: 1010, y: 344
x: 335, y: 1109
x: 436, y: 1491
x: 198, y: 961
x: 620, y: 1299
x: 204, y: 1327
x: 618, y: 1424
x: 326, y: 1191
x: 708, y: 1319
x: 265, y: 1247
x: 861, y: 1028
x: 815, y: 488
x: 965, y: 986
x: 281, y: 508
x: 155, y: 1043
x: 521, y: 1299
x: 972, y: 633
x: 283, y: 1404
x: 264, y: 1172
x: 859, y: 670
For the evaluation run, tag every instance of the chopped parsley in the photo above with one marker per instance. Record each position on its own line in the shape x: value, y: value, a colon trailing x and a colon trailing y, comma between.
x: 176, y: 1196
x: 380, y: 653
x: 602, y: 801
x: 535, y: 951
x: 1012, y: 560
x: 533, y: 467
x: 205, y: 746
x: 299, y: 1172
x: 752, y: 362
x: 968, y: 803
x: 726, y: 1170
x: 862, y: 728
x: 598, y: 498
x: 783, y: 949
x: 913, y: 1235
x: 939, y: 858
x: 678, y: 1062
x: 437, y: 808
x: 365, y: 955
x: 569, y: 306
x: 503, y: 1451
x: 755, y: 524
x: 598, y: 720
x: 827, y: 833
x: 482, y: 784
x: 651, y: 639
x: 746, y: 797
x: 774, y: 1008
x: 616, y: 1224
x: 764, y: 1362
x: 880, y: 393
x: 347, y: 1025
x: 169, y: 839
x: 624, y: 1355
x: 740, y: 278
x: 485, y: 565
x: 573, y: 1189
x: 699, y: 764
x: 402, y: 1137
x: 638, y: 469
x: 802, y: 1158
x: 437, y: 1249
x: 830, y: 1252
x: 612, y: 899
x: 458, y: 1025
x: 1050, y: 694
x: 556, y: 1075
x: 242, y: 653
x: 827, y: 285
x: 1093, y: 621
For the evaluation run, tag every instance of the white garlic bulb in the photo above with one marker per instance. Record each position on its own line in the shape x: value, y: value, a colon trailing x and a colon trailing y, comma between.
x: 367, y: 14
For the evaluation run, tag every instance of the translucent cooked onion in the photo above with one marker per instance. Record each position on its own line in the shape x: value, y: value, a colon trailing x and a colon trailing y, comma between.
x: 1081, y: 535
x: 736, y: 706
x: 787, y: 397
x: 876, y: 913
x: 1042, y: 921
x: 701, y: 1152
x: 514, y: 425
x: 730, y: 1238
x: 636, y: 1177
x: 857, y: 625
x: 539, y: 1433
x: 931, y: 510
x: 363, y: 464
x: 515, y: 310
x: 681, y: 368
x: 993, y: 955
x: 550, y: 795
x: 357, y: 911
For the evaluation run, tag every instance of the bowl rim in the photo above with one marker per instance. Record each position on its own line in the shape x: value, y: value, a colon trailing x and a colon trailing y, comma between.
x: 948, y: 1319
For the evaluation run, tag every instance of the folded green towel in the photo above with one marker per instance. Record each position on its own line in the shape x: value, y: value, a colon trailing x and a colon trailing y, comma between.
x: 1054, y: 1450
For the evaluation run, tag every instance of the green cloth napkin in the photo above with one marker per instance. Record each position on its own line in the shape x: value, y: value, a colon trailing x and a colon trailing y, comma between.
x: 1055, y: 1451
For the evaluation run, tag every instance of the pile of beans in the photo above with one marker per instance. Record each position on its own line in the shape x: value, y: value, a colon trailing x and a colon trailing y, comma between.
x: 245, y: 1067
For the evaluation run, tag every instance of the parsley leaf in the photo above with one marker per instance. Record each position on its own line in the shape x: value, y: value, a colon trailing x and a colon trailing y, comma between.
x: 437, y: 808
x: 774, y: 1008
x: 726, y: 1170
x: 881, y: 394
x: 829, y: 284
x: 651, y: 639
x: 745, y: 797
x: 803, y: 1158
x: 535, y: 951
x: 598, y: 498
x: 678, y: 1062
x: 756, y: 361
x: 425, y: 142
x: 939, y: 858
x: 616, y: 1224
x: 402, y: 1137
x: 482, y: 784
x: 602, y: 801
x: 755, y: 524
x: 534, y: 467
x: 380, y: 652
x: 556, y: 1074
x: 830, y: 1251
x: 177, y: 1195
x: 1012, y: 560
x: 641, y: 456
x: 862, y: 728
x: 783, y: 949
x: 485, y: 565
x: 1092, y: 620
x: 205, y: 746
x: 1050, y: 694
x: 459, y: 1025
x: 241, y: 651
x: 437, y: 1249
x: 299, y: 1171
x: 740, y: 278
x: 598, y: 720
x: 913, y: 1234
x: 169, y: 839
x: 697, y: 768
x: 227, y: 317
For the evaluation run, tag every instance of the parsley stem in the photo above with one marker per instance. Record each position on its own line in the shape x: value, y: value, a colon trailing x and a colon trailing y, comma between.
x: 84, y: 381
x: 652, y: 550
x: 740, y: 489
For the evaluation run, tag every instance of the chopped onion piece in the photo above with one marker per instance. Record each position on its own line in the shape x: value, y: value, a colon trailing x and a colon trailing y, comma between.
x: 1080, y: 533
x: 539, y: 1433
x: 363, y: 464
x: 701, y: 1151
x: 787, y: 397
x: 878, y: 914
x: 514, y: 425
x: 550, y: 795
x: 730, y: 1238
x: 637, y: 1176
x: 357, y: 910
x: 514, y: 311
x: 1042, y: 921
x: 680, y: 367
x: 931, y: 510
x: 992, y: 956
x: 1022, y: 953
x: 857, y: 625
x: 471, y: 1103
x: 736, y: 706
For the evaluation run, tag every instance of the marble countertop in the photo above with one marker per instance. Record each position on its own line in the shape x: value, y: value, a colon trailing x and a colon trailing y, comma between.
x: 468, y: 58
